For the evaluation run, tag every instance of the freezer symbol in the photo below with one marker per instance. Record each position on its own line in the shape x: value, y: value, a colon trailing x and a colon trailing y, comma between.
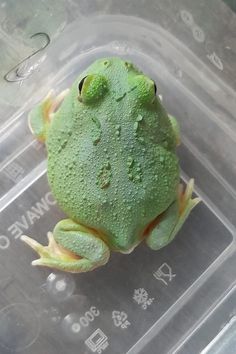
x: 97, y: 342
x: 120, y: 319
x: 142, y: 298
x: 164, y: 274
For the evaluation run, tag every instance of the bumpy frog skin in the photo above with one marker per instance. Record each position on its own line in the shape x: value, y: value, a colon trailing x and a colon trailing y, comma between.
x: 112, y: 167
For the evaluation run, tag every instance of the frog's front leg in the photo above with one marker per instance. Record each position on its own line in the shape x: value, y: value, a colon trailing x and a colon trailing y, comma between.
x: 72, y: 247
x: 168, y: 223
x: 40, y: 117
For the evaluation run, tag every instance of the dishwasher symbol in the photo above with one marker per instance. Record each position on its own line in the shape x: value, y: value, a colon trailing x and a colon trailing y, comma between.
x: 164, y: 271
x: 97, y: 342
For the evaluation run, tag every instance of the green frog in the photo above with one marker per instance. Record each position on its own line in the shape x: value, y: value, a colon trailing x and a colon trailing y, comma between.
x: 112, y: 167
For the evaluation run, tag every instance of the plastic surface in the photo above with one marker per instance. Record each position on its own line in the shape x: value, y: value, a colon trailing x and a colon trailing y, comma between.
x: 180, y: 299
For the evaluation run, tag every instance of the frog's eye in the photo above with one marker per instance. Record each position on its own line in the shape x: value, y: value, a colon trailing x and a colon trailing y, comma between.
x: 145, y: 88
x: 80, y: 86
x: 92, y: 88
x: 155, y: 87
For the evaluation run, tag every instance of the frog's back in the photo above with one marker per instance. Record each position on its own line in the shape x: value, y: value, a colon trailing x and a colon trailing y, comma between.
x: 113, y: 165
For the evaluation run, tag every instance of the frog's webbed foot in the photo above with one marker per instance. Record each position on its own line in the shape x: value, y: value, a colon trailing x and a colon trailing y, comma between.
x: 169, y: 223
x: 71, y: 247
x: 45, y: 252
x: 40, y: 116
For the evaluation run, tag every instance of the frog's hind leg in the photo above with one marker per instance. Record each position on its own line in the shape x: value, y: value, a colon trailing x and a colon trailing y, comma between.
x: 166, y: 226
x: 72, y: 247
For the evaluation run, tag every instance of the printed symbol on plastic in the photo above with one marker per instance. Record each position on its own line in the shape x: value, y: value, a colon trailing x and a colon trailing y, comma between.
x: 198, y: 34
x: 187, y: 18
x: 4, y: 242
x: 164, y: 274
x: 20, y: 328
x: 214, y: 59
x: 142, y: 298
x: 60, y: 286
x: 74, y: 322
x: 97, y: 342
x: 14, y: 172
x: 120, y: 319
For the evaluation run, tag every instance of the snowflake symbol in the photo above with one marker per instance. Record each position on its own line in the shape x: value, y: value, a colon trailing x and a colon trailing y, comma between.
x: 140, y: 296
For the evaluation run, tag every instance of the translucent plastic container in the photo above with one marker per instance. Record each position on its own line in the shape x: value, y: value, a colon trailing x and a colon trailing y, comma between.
x: 180, y: 299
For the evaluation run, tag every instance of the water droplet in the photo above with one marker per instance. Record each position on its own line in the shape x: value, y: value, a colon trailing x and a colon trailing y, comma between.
x: 139, y: 118
x: 96, y: 131
x: 118, y: 127
x: 104, y: 175
x: 130, y: 161
x: 138, y: 178
x: 130, y: 175
x: 135, y: 126
x: 129, y: 207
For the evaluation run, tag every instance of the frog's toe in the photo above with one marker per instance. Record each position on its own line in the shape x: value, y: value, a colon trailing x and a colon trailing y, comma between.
x: 51, y: 251
x: 56, y: 101
x: 36, y: 246
x: 71, y: 248
x: 187, y: 203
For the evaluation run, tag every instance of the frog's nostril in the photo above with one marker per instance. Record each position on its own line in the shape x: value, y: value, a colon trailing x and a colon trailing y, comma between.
x: 107, y: 63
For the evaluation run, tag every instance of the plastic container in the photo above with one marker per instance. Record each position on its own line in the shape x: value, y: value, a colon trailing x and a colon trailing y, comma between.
x: 180, y: 299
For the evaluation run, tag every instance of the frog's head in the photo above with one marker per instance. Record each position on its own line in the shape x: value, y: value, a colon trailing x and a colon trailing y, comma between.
x: 116, y: 78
